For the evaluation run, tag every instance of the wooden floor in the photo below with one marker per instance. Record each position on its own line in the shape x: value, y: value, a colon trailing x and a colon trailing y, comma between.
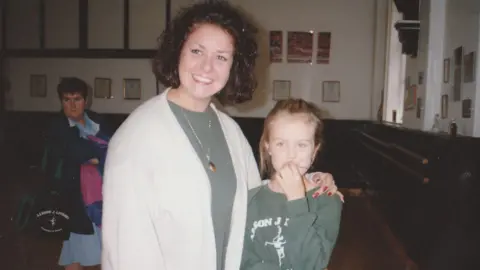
x: 363, y: 244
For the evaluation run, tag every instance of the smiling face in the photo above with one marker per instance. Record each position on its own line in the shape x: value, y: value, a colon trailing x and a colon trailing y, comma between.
x: 292, y: 139
x: 205, y: 62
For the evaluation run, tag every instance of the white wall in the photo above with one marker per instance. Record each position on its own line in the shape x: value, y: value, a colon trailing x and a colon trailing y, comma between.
x: 394, y: 83
x: 418, y: 64
x: 357, y: 52
x: 461, y: 28
x: 87, y: 69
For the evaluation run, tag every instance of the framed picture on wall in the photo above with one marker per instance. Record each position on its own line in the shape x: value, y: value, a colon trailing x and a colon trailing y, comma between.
x: 446, y: 70
x: 421, y: 77
x: 444, y: 106
x: 419, y: 107
x: 281, y: 89
x: 300, y: 47
x: 410, y: 98
x: 323, y: 47
x: 102, y: 88
x: 132, y: 89
x: 469, y: 67
x: 466, y: 108
x: 457, y: 73
x: 331, y: 91
x: 38, y: 85
x: 276, y: 46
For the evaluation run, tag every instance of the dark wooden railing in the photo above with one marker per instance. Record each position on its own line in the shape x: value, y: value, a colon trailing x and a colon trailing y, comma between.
x: 369, y: 141
x: 427, y: 187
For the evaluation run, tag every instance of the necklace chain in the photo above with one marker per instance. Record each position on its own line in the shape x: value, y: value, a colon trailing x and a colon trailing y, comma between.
x: 207, y: 155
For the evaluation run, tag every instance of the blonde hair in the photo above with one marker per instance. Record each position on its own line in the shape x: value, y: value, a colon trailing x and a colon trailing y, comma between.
x: 289, y: 107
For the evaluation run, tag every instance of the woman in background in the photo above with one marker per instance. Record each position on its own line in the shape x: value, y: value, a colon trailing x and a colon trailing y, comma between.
x: 178, y: 169
x: 68, y: 142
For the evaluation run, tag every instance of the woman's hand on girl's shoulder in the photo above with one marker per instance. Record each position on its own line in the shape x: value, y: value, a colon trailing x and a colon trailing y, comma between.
x: 326, y: 183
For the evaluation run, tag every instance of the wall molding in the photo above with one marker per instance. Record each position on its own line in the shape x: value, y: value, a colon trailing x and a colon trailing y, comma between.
x: 79, y: 53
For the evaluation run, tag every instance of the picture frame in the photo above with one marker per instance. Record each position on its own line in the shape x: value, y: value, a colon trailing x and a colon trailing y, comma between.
x: 132, y: 89
x: 276, y: 46
x: 324, y: 40
x: 300, y: 47
x: 457, y: 83
x: 446, y: 70
x: 410, y: 97
x: 421, y: 77
x: 467, y: 108
x: 419, y: 108
x: 38, y: 85
x: 469, y: 67
x: 331, y: 91
x: 102, y: 88
x: 444, y: 113
x: 458, y: 56
x: 281, y: 89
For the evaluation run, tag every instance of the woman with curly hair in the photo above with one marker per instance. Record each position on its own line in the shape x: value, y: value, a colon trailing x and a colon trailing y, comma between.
x: 178, y: 169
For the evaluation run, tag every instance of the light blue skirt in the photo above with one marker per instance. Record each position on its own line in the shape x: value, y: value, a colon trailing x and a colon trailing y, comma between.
x: 85, y: 249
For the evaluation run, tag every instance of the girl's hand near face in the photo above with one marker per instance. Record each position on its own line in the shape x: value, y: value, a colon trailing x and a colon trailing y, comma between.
x: 291, y: 182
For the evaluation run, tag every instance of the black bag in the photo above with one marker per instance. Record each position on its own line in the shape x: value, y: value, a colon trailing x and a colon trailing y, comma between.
x: 43, y: 211
x: 43, y: 214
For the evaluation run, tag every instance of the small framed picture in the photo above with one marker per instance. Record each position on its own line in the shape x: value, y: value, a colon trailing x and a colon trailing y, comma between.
x: 299, y: 47
x: 467, y: 108
x: 446, y: 70
x: 281, y: 89
x: 132, y: 89
x: 421, y: 77
x: 38, y: 85
x: 419, y: 108
x: 276, y: 46
x: 331, y: 91
x: 103, y: 88
x: 444, y: 106
x: 469, y: 67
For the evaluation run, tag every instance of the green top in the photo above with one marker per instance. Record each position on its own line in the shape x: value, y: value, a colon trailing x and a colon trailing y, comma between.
x: 223, y: 182
x: 290, y: 235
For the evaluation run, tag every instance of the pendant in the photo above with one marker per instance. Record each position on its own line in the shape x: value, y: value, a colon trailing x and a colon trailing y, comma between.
x: 212, y: 167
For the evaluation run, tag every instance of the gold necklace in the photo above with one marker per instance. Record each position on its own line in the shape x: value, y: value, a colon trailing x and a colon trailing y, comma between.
x: 211, y: 165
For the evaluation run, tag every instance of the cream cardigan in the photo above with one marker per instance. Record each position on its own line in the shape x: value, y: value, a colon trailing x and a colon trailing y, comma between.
x: 156, y: 208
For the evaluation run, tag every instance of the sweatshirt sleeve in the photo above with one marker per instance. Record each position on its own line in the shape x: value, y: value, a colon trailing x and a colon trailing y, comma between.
x: 312, y: 231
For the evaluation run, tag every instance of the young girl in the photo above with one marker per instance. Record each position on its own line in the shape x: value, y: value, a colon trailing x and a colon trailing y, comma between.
x: 287, y: 228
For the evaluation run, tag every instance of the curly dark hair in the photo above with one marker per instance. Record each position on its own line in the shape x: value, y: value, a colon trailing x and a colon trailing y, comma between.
x: 242, y: 81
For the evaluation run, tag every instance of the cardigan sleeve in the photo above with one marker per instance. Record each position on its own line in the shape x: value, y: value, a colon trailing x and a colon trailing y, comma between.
x: 129, y: 238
